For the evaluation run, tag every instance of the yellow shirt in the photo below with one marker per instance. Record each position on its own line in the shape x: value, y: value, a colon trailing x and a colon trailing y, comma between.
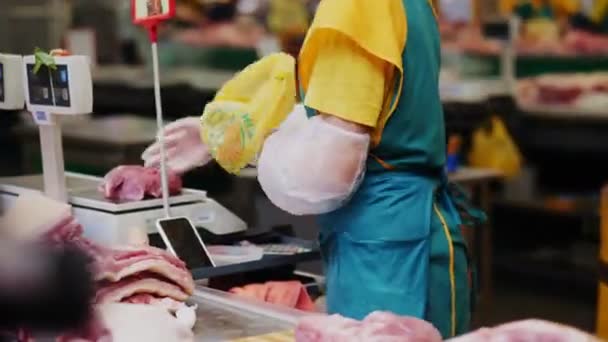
x: 350, y: 58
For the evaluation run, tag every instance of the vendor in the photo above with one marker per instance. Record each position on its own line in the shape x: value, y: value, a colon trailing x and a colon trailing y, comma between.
x: 390, y: 234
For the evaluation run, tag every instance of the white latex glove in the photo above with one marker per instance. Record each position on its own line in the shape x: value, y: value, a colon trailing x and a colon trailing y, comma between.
x: 296, y: 119
x: 184, y: 147
x: 315, y: 169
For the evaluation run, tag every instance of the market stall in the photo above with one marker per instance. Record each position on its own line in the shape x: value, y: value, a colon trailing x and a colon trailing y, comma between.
x: 216, y: 277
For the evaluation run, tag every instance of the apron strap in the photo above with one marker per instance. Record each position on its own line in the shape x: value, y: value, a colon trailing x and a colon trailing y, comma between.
x: 382, y: 163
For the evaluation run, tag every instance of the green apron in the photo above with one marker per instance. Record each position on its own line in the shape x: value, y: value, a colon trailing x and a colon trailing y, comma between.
x: 396, y: 245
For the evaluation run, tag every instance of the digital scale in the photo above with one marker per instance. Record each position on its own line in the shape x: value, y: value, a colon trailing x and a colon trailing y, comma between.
x: 112, y: 223
x: 11, y: 82
x: 58, y: 85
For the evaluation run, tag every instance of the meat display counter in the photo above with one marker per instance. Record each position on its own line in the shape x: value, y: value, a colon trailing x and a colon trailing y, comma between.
x: 224, y: 317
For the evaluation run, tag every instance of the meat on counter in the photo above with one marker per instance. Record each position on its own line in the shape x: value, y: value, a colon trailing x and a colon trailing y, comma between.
x: 575, y: 91
x: 143, y: 275
x: 527, y: 330
x: 291, y: 294
x: 378, y: 326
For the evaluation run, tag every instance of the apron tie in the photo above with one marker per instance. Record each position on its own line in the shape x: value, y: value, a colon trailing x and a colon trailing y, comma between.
x: 470, y: 215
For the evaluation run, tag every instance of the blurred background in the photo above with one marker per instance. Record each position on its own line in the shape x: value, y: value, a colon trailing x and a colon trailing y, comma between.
x: 525, y: 92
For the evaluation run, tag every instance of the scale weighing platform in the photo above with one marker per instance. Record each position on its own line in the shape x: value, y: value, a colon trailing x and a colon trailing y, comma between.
x: 115, y: 223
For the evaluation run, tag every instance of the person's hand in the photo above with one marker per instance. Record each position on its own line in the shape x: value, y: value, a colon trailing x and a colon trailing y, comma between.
x: 183, y: 146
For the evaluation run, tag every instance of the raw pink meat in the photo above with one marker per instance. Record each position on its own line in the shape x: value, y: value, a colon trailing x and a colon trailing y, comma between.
x: 333, y: 328
x: 527, y: 331
x: 141, y: 298
x: 291, y: 294
x: 117, y: 264
x: 559, y: 94
x: 118, y: 291
x: 378, y: 326
x: 67, y: 230
x: 134, y: 183
x: 561, y: 89
x: 585, y: 43
x: 253, y: 291
x: 130, y: 273
x: 396, y: 328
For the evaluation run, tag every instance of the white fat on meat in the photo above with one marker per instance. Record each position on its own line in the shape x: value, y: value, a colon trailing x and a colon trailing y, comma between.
x: 153, y: 265
x: 117, y: 292
x: 592, y: 102
x: 119, y: 263
x: 132, y: 322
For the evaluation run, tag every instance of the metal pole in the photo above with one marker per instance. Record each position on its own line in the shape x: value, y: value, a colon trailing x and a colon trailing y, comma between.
x: 160, y: 124
x: 52, y: 159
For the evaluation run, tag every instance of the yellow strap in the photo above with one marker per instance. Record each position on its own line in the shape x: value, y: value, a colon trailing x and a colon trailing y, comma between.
x: 384, y: 164
x: 392, y: 100
x: 435, y: 12
x: 286, y: 336
x: 448, y: 236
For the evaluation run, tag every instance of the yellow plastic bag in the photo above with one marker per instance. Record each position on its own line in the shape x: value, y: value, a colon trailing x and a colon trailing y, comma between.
x: 246, y: 110
x: 495, y: 149
x: 287, y: 16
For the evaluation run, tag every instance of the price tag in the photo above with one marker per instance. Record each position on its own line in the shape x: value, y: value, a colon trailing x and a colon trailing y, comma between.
x: 43, y: 118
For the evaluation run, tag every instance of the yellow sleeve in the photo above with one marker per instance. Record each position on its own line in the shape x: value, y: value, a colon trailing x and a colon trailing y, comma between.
x: 346, y: 81
x: 351, y: 57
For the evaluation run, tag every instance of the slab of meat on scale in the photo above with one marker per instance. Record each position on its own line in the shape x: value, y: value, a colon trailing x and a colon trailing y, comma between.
x: 134, y: 183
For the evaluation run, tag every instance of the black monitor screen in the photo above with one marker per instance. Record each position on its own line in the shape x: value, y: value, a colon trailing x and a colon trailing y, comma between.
x: 1, y: 82
x: 39, y: 85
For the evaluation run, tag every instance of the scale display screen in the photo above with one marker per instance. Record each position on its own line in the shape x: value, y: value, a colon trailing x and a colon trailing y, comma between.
x: 49, y: 88
x: 1, y: 82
